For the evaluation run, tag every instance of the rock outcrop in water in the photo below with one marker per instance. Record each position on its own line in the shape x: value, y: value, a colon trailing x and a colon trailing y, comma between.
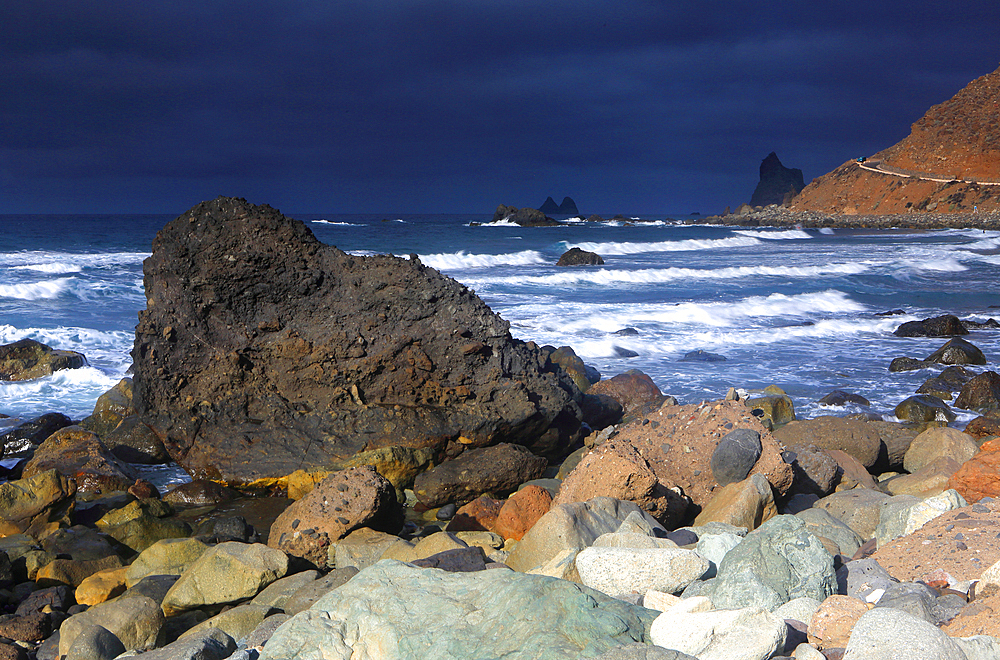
x: 568, y: 207
x: 525, y: 217
x: 778, y: 184
x: 28, y: 359
x: 263, y: 351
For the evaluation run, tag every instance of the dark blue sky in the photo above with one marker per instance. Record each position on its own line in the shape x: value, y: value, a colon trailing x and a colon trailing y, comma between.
x: 392, y: 106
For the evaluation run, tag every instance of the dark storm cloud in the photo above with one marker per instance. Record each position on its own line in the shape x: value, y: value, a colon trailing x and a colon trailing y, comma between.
x: 455, y: 106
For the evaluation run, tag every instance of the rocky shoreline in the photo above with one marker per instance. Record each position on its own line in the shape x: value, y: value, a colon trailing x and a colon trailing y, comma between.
x: 780, y: 216
x: 383, y: 472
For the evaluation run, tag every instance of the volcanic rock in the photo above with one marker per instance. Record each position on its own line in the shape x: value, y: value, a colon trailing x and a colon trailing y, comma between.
x: 981, y: 394
x: 577, y: 257
x: 499, y: 469
x: 939, y: 326
x: 957, y: 351
x: 32, y: 433
x: 549, y: 206
x: 81, y: 455
x: 263, y: 351
x: 778, y: 184
x: 525, y: 217
x: 28, y: 359
x: 633, y: 389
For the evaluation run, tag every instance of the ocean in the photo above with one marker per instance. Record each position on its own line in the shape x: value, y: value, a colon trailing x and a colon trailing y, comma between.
x: 797, y: 308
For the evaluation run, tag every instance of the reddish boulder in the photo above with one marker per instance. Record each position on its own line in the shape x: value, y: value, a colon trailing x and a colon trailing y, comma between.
x: 851, y: 436
x: 519, y: 513
x: 633, y: 389
x: 832, y: 623
x: 479, y: 515
x: 344, y: 501
x: 81, y: 455
x: 983, y: 427
x: 978, y: 477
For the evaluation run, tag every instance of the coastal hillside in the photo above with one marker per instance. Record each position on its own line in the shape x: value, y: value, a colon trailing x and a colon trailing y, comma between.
x: 945, y: 165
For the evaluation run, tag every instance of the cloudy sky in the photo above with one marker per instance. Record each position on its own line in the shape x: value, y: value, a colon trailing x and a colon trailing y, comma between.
x: 397, y: 106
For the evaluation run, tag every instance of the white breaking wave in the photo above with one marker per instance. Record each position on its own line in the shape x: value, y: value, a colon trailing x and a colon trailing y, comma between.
x: 498, y: 223
x: 51, y: 268
x: 936, y: 265
x: 342, y: 224
x: 606, y: 276
x: 786, y: 234
x: 36, y: 290
x: 686, y: 245
x: 461, y: 260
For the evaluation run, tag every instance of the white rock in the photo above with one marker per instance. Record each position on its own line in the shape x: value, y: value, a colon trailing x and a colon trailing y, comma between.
x: 625, y: 570
x: 931, y: 508
x: 658, y: 600
x: 800, y: 609
x: 886, y: 633
x: 806, y: 652
x: 746, y: 634
x: 692, y: 604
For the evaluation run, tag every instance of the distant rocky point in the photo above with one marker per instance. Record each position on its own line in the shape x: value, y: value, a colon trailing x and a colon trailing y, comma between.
x: 778, y: 184
x: 525, y: 217
x: 949, y: 163
x: 568, y: 207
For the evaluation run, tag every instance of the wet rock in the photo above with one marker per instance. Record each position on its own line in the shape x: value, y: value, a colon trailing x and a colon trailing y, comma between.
x: 263, y: 351
x: 499, y: 470
x: 957, y: 351
x: 616, y: 469
x: 344, y: 501
x: 939, y: 326
x: 981, y: 394
x: 32, y: 433
x: 577, y: 257
x: 924, y: 408
x: 583, y: 375
x: 32, y: 498
x: 28, y: 359
x: 199, y: 492
x: 525, y: 217
x: 841, y: 398
x: 80, y: 454
x: 907, y: 364
x: 773, y: 406
x: 140, y: 524
x: 702, y: 356
x: 983, y: 427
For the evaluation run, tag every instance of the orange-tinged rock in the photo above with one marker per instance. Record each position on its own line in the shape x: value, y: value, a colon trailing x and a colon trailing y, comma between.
x: 990, y: 445
x: 522, y: 511
x: 479, y: 515
x: 978, y: 477
x: 101, y: 586
x: 832, y: 623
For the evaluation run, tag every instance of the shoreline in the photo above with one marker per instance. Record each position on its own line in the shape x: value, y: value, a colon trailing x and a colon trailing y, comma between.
x: 777, y: 216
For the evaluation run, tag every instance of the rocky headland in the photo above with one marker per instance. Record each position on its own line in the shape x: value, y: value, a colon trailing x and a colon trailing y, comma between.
x: 542, y: 512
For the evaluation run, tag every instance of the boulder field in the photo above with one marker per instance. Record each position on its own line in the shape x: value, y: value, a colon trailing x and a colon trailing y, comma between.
x: 263, y: 351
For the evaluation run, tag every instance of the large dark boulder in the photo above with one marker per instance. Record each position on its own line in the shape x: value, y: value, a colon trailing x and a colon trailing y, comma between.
x: 524, y: 217
x: 778, y: 184
x: 577, y: 257
x: 939, y: 326
x: 28, y: 359
x: 981, y: 394
x: 263, y: 351
x: 32, y: 433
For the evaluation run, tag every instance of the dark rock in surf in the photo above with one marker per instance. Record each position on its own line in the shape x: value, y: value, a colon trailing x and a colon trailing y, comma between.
x: 28, y: 359
x: 624, y: 352
x: 981, y: 394
x: 263, y: 351
x: 924, y: 408
x: 32, y: 433
x: 626, y: 332
x: 957, y: 351
x: 778, y: 184
x: 702, y: 356
x: 939, y: 326
x: 842, y: 398
x: 577, y: 257
x: 988, y: 324
x: 907, y: 364
x: 524, y: 217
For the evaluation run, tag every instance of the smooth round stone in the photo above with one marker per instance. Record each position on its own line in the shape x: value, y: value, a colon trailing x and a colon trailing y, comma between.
x: 735, y: 456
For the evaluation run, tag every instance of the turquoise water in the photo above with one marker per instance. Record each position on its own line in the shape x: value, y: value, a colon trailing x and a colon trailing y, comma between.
x: 796, y: 308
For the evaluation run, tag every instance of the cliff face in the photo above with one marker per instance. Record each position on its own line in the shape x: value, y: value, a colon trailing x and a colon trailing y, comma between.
x: 778, y: 184
x: 952, y: 152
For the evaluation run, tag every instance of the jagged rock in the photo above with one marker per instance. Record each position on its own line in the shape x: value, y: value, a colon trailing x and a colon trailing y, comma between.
x: 778, y: 184
x: 577, y: 257
x: 28, y: 359
x: 263, y: 351
x: 568, y: 207
x: 981, y: 394
x: 939, y: 326
x: 32, y: 433
x: 549, y: 206
x: 525, y: 217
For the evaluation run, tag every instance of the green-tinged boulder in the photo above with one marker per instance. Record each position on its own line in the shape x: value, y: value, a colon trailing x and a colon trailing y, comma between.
x: 226, y: 573
x: 111, y: 408
x: 136, y: 621
x: 924, y: 408
x: 207, y: 644
x: 165, y: 557
x: 775, y: 563
x: 141, y: 523
x: 458, y: 616
x: 23, y: 500
x: 237, y: 622
x: 28, y: 359
x: 773, y: 406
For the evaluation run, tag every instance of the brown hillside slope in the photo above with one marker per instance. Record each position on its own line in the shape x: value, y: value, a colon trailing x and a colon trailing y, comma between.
x: 957, y: 141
